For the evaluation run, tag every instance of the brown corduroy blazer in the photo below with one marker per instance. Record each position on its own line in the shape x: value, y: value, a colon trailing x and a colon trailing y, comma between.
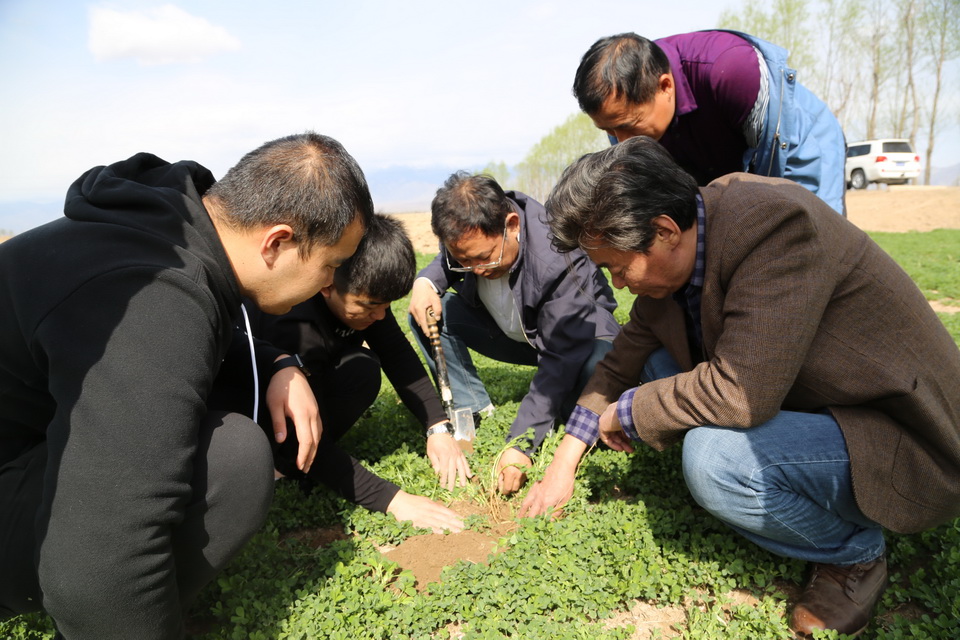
x: 803, y: 311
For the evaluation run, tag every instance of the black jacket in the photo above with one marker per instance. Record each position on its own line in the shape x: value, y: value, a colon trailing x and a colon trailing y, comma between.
x: 311, y: 330
x: 115, y: 321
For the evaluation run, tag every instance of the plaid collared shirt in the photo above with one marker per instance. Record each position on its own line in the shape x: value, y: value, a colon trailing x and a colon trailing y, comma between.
x: 689, y: 297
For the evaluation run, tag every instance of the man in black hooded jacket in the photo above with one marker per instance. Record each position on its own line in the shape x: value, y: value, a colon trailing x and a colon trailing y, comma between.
x: 121, y: 491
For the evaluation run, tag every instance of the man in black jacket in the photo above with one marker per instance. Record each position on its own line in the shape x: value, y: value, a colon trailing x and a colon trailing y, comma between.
x: 517, y: 300
x: 345, y: 335
x: 121, y: 494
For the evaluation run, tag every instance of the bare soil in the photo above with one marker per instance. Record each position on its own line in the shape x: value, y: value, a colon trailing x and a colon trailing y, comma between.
x: 426, y: 555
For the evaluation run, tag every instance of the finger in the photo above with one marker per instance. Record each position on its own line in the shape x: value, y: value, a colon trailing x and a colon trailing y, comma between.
x: 463, y: 471
x: 306, y: 424
x: 531, y: 504
x: 441, y: 519
x: 620, y: 442
x: 449, y: 475
x: 307, y: 449
x: 453, y: 473
x: 279, y: 419
x: 434, y: 462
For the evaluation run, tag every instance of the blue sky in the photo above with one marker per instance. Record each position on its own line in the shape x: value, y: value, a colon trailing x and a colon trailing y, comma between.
x: 414, y: 90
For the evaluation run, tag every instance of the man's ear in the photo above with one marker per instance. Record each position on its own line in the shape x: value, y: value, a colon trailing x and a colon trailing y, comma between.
x: 512, y: 221
x: 667, y: 230
x: 274, y: 241
x: 665, y: 83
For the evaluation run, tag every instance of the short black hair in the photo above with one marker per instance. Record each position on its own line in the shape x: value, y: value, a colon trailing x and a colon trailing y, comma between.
x: 307, y: 181
x: 625, y: 64
x: 610, y: 198
x: 383, y: 266
x: 466, y: 203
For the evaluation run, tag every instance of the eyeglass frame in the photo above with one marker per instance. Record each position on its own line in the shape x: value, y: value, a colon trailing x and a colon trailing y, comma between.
x: 489, y: 265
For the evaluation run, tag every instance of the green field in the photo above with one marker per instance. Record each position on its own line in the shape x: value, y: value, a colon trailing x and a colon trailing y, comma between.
x: 631, y: 535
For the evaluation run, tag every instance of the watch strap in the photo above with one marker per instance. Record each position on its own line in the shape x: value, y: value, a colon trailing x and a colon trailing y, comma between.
x: 291, y: 361
x: 443, y: 427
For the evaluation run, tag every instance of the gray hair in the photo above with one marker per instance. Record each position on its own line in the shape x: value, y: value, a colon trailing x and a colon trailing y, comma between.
x: 610, y: 198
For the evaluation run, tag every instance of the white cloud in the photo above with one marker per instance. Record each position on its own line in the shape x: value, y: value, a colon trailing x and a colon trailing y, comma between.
x: 162, y: 35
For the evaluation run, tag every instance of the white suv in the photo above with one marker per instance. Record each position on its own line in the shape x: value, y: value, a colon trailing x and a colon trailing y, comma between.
x: 890, y: 160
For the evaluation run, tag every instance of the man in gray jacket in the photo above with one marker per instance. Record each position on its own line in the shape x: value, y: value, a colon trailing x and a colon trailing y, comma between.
x: 516, y: 300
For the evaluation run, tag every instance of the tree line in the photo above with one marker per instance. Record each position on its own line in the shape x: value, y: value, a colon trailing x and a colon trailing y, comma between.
x: 880, y: 65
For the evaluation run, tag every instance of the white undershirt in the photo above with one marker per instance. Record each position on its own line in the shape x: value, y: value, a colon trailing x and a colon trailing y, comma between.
x: 497, y: 297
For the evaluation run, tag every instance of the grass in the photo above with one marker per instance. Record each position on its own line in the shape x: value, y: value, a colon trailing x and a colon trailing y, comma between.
x: 631, y: 535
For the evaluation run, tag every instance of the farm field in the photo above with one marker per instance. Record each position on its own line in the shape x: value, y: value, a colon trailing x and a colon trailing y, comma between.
x: 632, y: 557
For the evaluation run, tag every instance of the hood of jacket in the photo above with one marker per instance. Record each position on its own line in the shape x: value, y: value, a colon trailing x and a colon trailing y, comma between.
x: 147, y: 195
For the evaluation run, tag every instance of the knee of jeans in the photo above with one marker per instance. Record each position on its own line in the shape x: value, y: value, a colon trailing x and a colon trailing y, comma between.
x: 710, y: 466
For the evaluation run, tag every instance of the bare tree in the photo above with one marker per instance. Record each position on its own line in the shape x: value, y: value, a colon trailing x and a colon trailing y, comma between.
x: 941, y: 25
x: 879, y: 42
x: 538, y: 172
x: 906, y: 121
x: 881, y: 66
x: 835, y: 78
x: 500, y: 172
x: 785, y: 24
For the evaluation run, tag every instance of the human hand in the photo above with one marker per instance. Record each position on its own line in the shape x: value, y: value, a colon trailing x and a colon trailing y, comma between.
x: 289, y: 396
x: 448, y: 461
x: 422, y: 297
x: 556, y: 488
x: 611, y: 433
x: 424, y: 513
x: 510, y: 471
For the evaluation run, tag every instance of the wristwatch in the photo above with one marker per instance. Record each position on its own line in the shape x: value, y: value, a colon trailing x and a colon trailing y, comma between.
x: 291, y: 361
x: 443, y: 427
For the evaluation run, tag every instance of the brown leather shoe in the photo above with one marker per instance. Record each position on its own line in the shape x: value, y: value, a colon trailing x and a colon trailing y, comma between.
x: 839, y: 597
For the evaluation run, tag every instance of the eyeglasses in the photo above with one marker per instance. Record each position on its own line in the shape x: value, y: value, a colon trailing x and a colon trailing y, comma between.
x: 489, y: 265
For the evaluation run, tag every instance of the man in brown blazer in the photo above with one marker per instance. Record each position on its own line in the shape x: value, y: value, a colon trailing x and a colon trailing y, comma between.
x: 815, y: 391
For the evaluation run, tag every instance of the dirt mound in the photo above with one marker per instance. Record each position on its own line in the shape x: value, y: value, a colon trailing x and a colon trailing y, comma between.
x: 426, y: 555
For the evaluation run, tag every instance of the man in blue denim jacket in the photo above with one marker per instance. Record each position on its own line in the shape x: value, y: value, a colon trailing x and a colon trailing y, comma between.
x: 719, y: 102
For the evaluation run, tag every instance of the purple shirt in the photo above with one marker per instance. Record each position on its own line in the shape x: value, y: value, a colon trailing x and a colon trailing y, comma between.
x: 717, y: 79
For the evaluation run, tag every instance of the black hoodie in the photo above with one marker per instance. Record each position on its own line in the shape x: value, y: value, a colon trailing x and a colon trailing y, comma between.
x: 114, y: 322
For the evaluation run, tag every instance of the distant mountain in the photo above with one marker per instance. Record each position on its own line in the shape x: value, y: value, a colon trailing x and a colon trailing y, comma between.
x: 17, y: 217
x: 407, y: 189
x: 394, y: 190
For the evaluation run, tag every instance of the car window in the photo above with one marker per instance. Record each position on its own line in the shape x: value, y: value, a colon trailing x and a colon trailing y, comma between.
x: 858, y: 150
x: 897, y: 147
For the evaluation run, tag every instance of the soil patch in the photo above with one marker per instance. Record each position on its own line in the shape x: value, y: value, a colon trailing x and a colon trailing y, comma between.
x: 426, y: 555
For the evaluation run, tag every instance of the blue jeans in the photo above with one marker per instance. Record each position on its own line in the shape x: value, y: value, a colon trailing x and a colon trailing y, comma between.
x: 464, y: 327
x: 784, y: 485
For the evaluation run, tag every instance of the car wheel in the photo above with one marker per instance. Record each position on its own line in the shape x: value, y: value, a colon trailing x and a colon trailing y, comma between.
x: 858, y: 180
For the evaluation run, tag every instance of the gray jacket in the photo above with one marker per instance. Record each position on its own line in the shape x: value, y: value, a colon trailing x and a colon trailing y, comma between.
x: 564, y: 302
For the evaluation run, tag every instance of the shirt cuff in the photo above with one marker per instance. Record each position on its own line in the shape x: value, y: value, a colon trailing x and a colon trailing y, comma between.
x: 437, y: 290
x: 584, y: 425
x: 625, y: 414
